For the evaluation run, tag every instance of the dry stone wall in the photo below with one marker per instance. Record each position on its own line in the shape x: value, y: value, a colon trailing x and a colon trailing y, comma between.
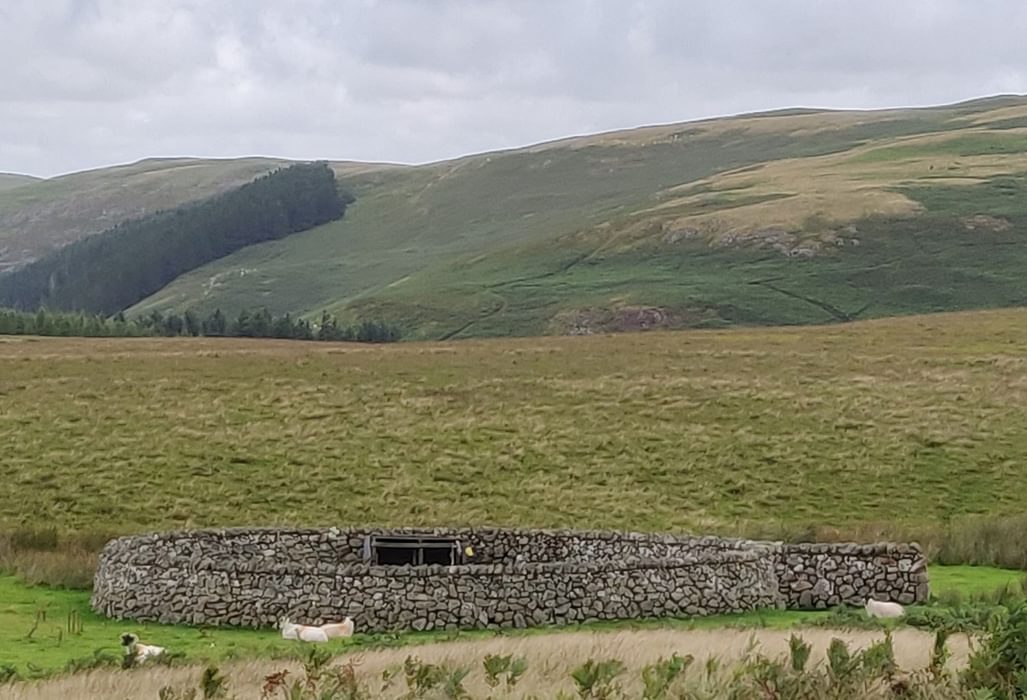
x: 262, y: 547
x: 251, y: 577
x: 824, y: 575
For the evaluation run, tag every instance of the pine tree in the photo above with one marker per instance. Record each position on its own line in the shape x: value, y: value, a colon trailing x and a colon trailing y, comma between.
x: 261, y: 324
x: 215, y: 324
x: 192, y: 323
x: 327, y: 330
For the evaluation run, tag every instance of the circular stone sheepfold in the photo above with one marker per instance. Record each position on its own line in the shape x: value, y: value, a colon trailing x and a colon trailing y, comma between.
x: 494, y: 578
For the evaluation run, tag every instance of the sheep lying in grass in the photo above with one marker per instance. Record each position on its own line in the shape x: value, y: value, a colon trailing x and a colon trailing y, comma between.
x: 302, y: 633
x: 335, y: 630
x: 880, y: 608
x: 139, y: 651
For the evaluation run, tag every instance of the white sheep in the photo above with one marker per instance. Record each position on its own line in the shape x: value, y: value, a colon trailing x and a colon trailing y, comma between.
x: 302, y: 633
x: 880, y: 608
x: 334, y: 630
x: 141, y: 652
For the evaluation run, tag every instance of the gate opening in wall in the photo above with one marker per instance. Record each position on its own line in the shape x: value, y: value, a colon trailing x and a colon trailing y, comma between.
x: 412, y: 550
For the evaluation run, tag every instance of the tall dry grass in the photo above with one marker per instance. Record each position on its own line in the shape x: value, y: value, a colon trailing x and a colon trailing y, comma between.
x: 978, y: 540
x: 984, y: 540
x: 551, y: 659
x: 43, y: 556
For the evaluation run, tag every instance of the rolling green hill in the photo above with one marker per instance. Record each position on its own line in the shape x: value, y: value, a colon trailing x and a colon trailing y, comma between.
x: 45, y: 215
x: 769, y: 219
x: 107, y: 272
x: 797, y: 216
x: 48, y: 214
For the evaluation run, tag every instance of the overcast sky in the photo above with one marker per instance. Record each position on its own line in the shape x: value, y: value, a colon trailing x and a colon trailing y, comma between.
x: 86, y: 83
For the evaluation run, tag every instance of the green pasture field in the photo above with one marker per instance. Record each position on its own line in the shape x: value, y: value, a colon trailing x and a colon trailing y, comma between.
x: 45, y: 630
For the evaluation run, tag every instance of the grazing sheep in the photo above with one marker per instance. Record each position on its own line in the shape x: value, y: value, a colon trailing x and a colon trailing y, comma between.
x: 141, y: 652
x: 879, y: 608
x: 302, y: 633
x: 334, y: 630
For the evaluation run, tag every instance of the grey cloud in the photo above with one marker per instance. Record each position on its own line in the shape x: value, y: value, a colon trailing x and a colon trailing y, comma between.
x: 91, y: 82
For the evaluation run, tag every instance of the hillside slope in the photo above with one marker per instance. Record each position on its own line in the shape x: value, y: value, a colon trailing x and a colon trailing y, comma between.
x: 766, y: 219
x: 797, y: 216
x: 8, y: 181
x: 46, y: 215
x: 108, y: 272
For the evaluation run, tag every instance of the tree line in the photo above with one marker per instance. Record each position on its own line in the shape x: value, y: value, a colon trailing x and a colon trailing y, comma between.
x: 248, y: 324
x: 110, y: 271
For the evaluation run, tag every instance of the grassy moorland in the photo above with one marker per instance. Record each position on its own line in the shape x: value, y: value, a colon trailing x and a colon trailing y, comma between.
x: 914, y: 421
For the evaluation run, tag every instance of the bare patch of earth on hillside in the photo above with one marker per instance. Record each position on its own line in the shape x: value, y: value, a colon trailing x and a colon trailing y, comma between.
x: 985, y: 223
x: 626, y: 319
x: 792, y: 244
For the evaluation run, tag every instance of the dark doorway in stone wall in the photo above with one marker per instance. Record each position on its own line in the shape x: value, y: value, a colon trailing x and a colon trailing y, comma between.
x: 412, y: 550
